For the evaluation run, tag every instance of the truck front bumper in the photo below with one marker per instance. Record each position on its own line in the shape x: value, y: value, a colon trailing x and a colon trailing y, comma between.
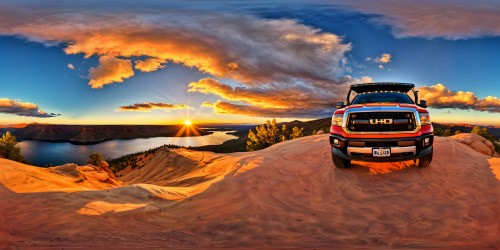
x: 402, y: 149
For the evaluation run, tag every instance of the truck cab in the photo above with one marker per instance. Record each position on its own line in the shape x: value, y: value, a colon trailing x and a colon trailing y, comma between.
x: 381, y: 122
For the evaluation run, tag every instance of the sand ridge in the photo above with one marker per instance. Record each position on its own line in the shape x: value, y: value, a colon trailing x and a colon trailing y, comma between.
x: 288, y: 195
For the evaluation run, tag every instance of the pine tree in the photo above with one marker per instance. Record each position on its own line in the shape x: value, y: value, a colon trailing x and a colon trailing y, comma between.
x: 95, y: 159
x: 9, y: 149
x: 284, y: 132
x: 296, y: 133
x: 269, y: 133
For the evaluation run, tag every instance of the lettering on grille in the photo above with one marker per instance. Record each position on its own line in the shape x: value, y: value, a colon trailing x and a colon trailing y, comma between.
x: 380, y: 121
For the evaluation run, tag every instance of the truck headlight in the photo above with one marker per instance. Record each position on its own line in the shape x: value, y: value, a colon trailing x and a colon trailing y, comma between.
x: 425, y: 118
x: 337, y: 120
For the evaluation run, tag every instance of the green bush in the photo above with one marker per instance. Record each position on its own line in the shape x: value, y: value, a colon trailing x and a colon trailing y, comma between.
x: 296, y: 132
x: 483, y: 132
x: 9, y: 149
x: 497, y: 146
x: 269, y: 134
x: 95, y: 159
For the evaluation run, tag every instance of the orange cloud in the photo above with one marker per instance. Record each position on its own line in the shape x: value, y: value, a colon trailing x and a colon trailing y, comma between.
x: 275, y: 100
x: 221, y: 107
x: 243, y: 48
x: 9, y: 106
x: 438, y: 96
x: 146, y: 107
x: 290, y: 97
x: 110, y: 69
x: 150, y: 64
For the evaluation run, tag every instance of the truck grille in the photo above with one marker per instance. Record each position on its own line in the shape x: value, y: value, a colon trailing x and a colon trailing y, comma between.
x: 381, y: 121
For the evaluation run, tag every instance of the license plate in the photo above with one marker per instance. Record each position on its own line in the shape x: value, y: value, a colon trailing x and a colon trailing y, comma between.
x: 381, y: 152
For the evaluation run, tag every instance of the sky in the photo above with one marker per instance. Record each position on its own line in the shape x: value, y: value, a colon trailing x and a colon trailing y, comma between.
x: 162, y: 62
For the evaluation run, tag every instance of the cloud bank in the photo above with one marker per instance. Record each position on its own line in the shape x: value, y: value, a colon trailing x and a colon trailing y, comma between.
x: 438, y: 96
x: 446, y: 19
x: 13, y: 107
x: 276, y: 64
x: 272, y: 100
x: 244, y: 48
x: 146, y: 107
x: 259, y: 67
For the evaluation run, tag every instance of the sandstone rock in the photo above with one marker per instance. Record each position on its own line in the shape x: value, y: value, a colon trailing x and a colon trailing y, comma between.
x: 69, y: 169
x: 476, y: 142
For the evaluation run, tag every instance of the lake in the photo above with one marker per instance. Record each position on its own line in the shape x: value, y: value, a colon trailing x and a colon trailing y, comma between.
x: 56, y: 153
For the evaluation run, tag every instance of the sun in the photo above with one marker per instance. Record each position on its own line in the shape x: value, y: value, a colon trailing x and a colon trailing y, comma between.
x: 188, y: 123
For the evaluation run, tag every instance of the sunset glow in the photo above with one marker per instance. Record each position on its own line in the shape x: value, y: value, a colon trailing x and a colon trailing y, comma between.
x: 188, y: 123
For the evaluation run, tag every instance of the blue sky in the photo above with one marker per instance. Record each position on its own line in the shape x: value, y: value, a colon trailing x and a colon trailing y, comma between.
x: 324, y: 45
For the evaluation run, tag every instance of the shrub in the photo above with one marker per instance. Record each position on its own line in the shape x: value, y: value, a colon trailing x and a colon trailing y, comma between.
x: 497, y: 146
x: 95, y: 159
x: 483, y: 132
x: 296, y: 133
x: 269, y: 133
x: 9, y: 149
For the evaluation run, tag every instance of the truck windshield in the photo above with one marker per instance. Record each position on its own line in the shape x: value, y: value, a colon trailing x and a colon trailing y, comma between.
x: 376, y: 97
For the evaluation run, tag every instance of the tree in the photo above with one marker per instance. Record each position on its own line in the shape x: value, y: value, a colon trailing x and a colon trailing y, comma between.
x: 266, y: 135
x: 284, y: 132
x: 483, y: 132
x: 447, y: 132
x: 296, y: 133
x: 95, y: 159
x: 9, y: 149
x: 269, y: 133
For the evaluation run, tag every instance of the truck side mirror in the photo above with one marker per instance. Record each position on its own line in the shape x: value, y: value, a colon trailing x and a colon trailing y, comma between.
x: 423, y: 104
x: 340, y: 105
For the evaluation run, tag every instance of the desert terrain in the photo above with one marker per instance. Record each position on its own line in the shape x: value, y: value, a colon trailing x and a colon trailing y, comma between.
x: 288, y: 195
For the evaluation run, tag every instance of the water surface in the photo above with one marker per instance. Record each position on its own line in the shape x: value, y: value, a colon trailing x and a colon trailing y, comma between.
x: 56, y: 153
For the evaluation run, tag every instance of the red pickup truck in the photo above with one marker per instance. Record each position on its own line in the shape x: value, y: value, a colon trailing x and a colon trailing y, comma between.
x: 381, y: 123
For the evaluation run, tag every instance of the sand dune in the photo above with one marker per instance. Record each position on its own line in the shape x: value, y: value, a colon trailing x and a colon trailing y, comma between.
x: 288, y: 195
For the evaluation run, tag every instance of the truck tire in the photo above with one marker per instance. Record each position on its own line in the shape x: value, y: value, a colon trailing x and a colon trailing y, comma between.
x: 425, y: 161
x: 340, y: 162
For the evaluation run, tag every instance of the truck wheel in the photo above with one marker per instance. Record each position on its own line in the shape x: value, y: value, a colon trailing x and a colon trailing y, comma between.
x: 340, y: 162
x: 425, y: 161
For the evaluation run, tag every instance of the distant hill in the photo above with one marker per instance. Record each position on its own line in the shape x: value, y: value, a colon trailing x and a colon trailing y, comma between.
x: 91, y: 134
x: 239, y: 145
x: 466, y: 128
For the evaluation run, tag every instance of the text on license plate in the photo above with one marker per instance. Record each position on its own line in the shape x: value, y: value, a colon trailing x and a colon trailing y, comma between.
x: 381, y: 152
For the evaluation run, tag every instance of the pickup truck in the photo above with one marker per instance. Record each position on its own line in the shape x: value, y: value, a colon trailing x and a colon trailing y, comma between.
x: 381, y: 123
